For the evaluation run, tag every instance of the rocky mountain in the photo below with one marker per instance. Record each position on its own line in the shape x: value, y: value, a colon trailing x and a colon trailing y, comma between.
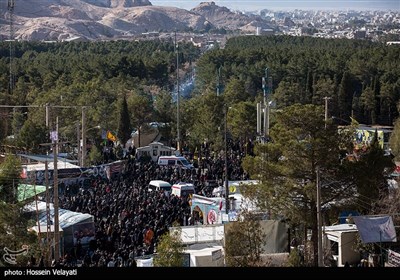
x: 221, y: 17
x: 111, y: 19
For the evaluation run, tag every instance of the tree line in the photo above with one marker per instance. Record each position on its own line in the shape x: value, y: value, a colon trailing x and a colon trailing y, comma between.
x: 98, y: 75
x: 360, y: 77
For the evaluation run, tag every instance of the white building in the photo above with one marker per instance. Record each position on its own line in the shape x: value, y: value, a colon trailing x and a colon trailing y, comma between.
x: 341, y: 240
x: 155, y: 150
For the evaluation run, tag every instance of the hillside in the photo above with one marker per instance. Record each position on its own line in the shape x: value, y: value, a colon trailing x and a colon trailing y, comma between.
x: 111, y: 19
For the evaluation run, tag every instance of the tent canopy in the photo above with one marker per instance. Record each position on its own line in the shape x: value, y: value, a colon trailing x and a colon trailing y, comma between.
x: 26, y: 191
x: 66, y: 218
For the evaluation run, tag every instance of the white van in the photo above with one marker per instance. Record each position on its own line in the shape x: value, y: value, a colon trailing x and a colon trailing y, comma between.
x: 183, y: 189
x: 178, y: 161
x: 158, y: 185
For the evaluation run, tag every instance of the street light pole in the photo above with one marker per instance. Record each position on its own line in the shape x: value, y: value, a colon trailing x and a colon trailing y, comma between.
x: 226, y: 162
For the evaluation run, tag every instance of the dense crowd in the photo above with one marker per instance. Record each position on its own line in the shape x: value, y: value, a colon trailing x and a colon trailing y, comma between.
x: 129, y: 219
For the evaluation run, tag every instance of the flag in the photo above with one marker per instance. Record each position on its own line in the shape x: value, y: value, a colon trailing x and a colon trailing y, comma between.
x: 354, y: 121
x: 111, y: 136
x: 375, y: 229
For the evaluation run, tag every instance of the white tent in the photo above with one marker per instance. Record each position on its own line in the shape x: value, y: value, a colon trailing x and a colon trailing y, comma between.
x: 72, y: 223
x: 42, y: 166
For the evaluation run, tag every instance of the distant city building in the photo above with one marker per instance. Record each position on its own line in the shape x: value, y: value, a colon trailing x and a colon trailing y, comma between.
x: 266, y: 31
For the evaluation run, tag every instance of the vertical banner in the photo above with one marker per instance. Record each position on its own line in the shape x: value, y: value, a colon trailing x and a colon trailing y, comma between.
x: 393, y: 258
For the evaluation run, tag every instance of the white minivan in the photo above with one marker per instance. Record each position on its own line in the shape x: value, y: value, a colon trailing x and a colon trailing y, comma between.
x: 183, y: 189
x: 158, y: 185
x: 178, y: 161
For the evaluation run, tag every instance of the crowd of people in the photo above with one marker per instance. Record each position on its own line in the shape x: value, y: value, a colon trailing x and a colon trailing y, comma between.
x: 129, y: 220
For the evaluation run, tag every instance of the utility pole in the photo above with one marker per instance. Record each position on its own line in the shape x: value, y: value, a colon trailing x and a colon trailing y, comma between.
x: 259, y: 113
x: 57, y: 133
x: 56, y: 215
x: 48, y: 219
x: 47, y: 115
x: 268, y: 108
x: 219, y: 81
x: 266, y: 86
x: 319, y: 221
x: 178, y: 97
x: 78, y: 143
x: 326, y: 110
x: 54, y: 143
x: 83, y: 154
x: 226, y: 162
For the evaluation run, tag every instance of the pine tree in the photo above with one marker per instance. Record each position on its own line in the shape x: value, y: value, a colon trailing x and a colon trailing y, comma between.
x: 10, y: 171
x: 124, y: 125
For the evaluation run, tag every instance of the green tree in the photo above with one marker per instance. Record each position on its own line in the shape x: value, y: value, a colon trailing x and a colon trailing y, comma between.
x: 368, y: 103
x: 308, y: 93
x: 95, y: 155
x: 287, y: 167
x: 294, y: 258
x: 345, y: 95
x: 32, y: 134
x: 394, y: 140
x: 14, y: 223
x: 286, y: 93
x: 235, y: 92
x: 164, y: 112
x: 244, y: 241
x: 242, y: 118
x: 124, y: 124
x: 17, y: 122
x: 14, y: 234
x: 323, y: 87
x: 378, y: 166
x: 208, y: 119
x: 163, y: 107
x: 141, y: 107
x: 10, y: 171
x: 169, y: 250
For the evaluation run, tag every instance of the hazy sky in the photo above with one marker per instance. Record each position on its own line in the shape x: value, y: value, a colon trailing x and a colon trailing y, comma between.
x: 251, y: 5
